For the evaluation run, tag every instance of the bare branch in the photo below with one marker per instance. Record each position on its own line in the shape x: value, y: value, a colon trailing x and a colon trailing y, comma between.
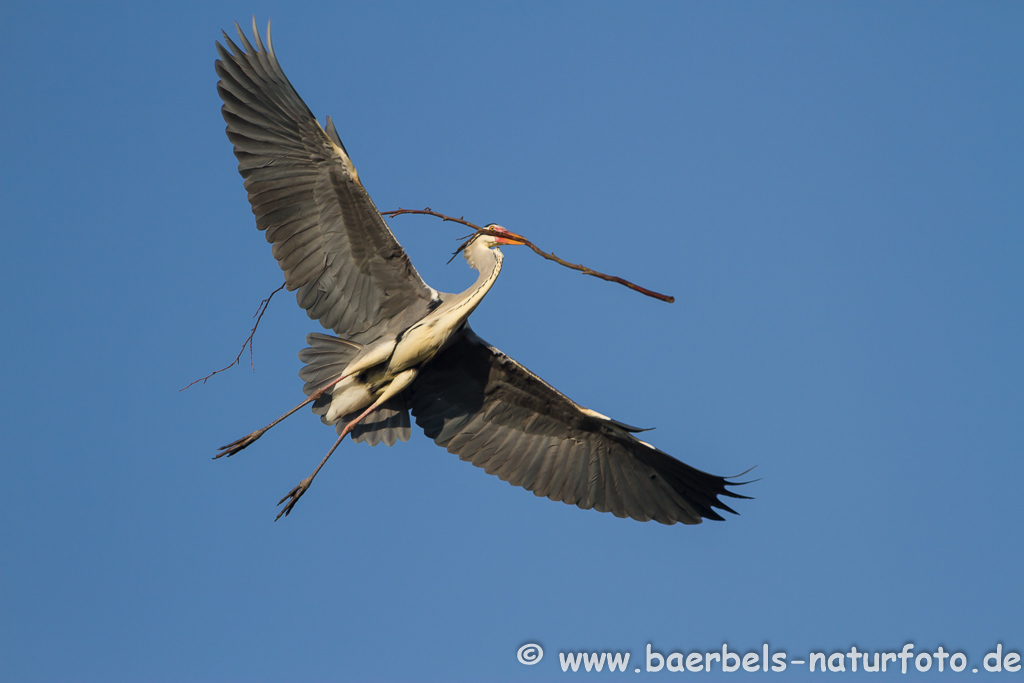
x: 550, y: 257
x: 248, y: 342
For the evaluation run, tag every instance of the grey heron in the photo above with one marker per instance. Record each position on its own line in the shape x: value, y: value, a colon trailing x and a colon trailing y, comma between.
x: 400, y: 345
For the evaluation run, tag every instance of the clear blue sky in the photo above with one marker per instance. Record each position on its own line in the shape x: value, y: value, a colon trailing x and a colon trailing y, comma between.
x: 834, y: 192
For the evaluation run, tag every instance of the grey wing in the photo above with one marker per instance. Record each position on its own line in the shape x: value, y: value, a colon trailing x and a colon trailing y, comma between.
x: 329, y: 239
x: 493, y: 412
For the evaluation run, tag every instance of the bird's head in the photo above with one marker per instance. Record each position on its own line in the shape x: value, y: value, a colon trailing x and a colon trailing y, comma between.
x: 503, y: 237
x: 486, y: 240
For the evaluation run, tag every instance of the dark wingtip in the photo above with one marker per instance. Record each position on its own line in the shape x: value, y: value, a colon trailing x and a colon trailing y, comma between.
x: 716, y: 502
x: 630, y: 428
x: 732, y: 494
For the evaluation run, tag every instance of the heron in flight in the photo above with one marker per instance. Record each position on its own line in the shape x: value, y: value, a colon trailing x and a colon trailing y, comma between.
x: 400, y: 345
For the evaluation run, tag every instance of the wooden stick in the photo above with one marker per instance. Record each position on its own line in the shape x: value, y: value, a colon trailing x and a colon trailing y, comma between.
x: 537, y: 250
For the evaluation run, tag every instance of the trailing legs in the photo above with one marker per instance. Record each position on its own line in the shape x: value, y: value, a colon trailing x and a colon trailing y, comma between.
x: 249, y: 439
x: 397, y: 385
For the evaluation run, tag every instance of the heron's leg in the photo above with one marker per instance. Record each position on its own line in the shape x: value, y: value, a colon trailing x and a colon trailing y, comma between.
x: 296, y: 493
x: 398, y: 384
x: 248, y: 439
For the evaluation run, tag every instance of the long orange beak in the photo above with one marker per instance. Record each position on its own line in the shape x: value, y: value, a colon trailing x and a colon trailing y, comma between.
x: 511, y: 240
x: 506, y: 237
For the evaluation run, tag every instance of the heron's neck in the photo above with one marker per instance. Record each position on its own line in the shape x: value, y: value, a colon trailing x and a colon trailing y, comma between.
x: 488, y: 263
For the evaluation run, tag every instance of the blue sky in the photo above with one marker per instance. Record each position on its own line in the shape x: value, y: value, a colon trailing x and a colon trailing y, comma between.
x: 832, y: 191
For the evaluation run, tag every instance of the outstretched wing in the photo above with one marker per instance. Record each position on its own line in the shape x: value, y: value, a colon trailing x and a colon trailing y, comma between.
x: 490, y: 410
x: 328, y: 237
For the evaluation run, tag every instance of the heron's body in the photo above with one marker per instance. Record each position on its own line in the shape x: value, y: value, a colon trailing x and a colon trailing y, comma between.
x: 399, y: 346
x: 390, y: 365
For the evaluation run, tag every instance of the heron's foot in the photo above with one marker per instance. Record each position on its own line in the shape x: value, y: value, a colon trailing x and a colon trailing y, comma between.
x: 293, y: 497
x: 236, y: 446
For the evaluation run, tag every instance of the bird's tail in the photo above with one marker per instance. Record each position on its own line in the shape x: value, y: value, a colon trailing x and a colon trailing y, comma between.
x: 325, y: 359
x: 388, y: 424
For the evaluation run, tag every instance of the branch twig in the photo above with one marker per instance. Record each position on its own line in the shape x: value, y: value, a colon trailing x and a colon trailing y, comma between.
x: 430, y: 212
x: 248, y: 342
x: 537, y: 250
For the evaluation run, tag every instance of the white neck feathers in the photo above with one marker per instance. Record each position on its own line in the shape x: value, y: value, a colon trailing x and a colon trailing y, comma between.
x: 487, y: 261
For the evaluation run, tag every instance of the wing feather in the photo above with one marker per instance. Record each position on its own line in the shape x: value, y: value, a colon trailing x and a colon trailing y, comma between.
x: 559, y: 471
x: 547, y: 469
x: 486, y: 408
